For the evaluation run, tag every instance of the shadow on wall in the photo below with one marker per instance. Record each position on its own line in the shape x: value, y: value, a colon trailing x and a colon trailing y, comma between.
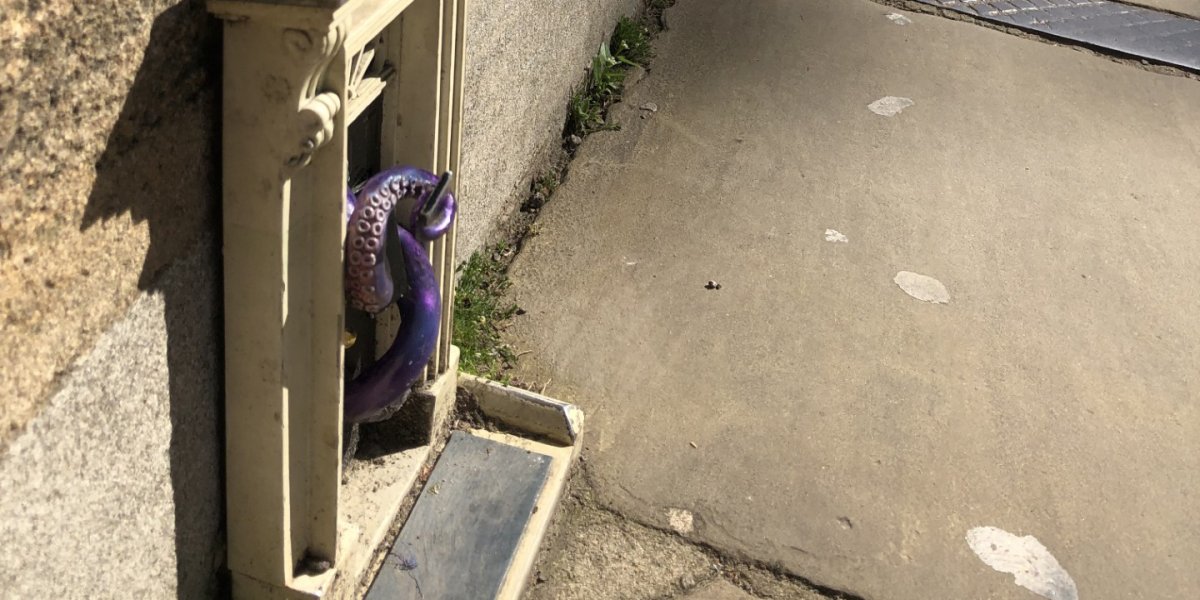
x: 161, y: 165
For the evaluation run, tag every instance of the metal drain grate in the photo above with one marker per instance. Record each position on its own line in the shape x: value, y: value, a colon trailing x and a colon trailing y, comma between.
x: 1131, y: 30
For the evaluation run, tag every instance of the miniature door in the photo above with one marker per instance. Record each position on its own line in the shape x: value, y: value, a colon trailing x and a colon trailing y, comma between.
x: 319, y: 96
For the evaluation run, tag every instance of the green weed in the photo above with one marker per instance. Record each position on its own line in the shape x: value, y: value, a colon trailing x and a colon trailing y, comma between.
x: 607, y: 75
x: 585, y: 111
x: 629, y: 46
x: 481, y: 313
x: 630, y: 43
x: 585, y: 114
x: 547, y: 182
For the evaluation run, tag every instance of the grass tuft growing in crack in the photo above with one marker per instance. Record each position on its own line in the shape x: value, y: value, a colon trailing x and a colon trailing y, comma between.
x: 585, y: 114
x: 628, y: 47
x: 481, y: 313
x: 605, y: 78
x: 547, y: 182
x: 608, y: 75
x: 630, y: 43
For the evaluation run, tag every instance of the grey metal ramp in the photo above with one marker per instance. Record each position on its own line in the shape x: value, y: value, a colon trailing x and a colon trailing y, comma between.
x: 459, y: 540
x: 1140, y: 32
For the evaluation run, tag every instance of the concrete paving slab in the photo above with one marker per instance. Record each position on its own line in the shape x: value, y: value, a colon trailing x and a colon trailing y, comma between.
x: 1190, y: 8
x: 592, y: 554
x: 718, y: 590
x: 812, y: 414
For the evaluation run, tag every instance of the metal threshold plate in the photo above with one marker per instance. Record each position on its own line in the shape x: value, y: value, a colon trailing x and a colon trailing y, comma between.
x: 1132, y: 30
x: 465, y: 528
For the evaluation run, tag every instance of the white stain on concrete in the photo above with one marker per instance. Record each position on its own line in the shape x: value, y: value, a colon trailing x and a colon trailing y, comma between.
x: 682, y: 521
x: 922, y: 287
x: 898, y: 19
x: 889, y: 106
x: 833, y: 235
x: 1026, y: 559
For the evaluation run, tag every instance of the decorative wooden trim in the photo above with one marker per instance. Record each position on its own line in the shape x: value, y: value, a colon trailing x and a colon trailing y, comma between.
x: 455, y: 144
x: 290, y: 93
x: 317, y: 109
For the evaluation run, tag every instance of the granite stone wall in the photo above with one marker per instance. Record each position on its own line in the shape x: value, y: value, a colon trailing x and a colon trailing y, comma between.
x: 110, y: 280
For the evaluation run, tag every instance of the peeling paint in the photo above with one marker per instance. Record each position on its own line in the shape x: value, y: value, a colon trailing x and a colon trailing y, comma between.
x: 889, y: 106
x: 922, y: 287
x: 1026, y: 559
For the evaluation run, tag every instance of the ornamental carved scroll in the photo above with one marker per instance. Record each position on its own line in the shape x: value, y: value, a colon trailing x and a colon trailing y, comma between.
x: 315, y: 119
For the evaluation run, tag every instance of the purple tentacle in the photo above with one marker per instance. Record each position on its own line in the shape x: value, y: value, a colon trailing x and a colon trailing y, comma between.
x: 351, y: 204
x: 406, y: 193
x: 387, y: 383
x: 402, y: 191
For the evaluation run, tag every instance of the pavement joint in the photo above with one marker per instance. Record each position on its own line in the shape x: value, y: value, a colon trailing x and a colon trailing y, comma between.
x: 732, y: 567
x: 1146, y: 64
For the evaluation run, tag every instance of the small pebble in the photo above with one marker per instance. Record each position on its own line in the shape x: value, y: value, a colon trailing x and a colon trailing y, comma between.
x: 712, y: 285
x: 534, y: 203
x: 693, y: 444
x: 315, y: 564
x: 680, y: 520
x: 575, y: 140
x: 650, y: 106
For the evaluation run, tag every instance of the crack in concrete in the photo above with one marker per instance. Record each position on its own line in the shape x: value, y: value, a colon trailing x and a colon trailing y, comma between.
x: 730, y: 562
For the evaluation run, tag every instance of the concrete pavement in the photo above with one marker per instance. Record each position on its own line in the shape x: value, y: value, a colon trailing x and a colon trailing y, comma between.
x: 812, y: 414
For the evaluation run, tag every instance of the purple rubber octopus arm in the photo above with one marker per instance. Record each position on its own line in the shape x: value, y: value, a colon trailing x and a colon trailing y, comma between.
x: 424, y: 214
x: 387, y: 382
x: 404, y: 191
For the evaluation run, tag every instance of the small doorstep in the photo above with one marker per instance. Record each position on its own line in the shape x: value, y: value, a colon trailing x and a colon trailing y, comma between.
x: 475, y: 530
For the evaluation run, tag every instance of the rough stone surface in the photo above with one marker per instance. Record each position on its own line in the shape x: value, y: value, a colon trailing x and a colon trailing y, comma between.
x: 595, y: 554
x: 718, y: 589
x: 842, y: 430
x: 109, y: 173
x: 108, y: 123
x: 114, y: 489
x: 765, y: 584
x: 109, y: 127
x: 591, y: 554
